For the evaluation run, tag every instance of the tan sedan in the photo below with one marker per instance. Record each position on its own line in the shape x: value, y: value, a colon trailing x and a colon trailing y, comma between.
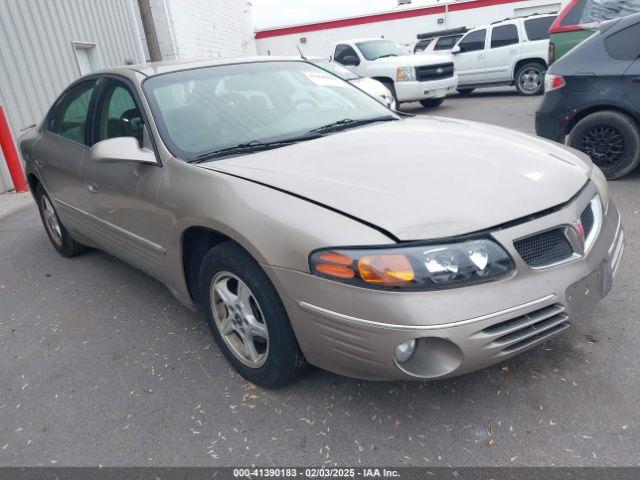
x: 312, y: 224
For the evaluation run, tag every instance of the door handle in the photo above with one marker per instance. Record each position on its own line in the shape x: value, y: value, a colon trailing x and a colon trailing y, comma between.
x: 93, y: 188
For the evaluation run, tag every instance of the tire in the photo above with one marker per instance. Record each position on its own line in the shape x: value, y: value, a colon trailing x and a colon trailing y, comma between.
x: 465, y: 91
x: 57, y: 233
x: 529, y: 79
x: 230, y: 270
x: 432, y: 102
x: 611, y: 139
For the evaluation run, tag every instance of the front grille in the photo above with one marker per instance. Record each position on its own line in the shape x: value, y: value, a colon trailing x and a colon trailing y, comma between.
x: 544, y: 248
x: 520, y: 332
x: 587, y: 219
x: 434, y: 72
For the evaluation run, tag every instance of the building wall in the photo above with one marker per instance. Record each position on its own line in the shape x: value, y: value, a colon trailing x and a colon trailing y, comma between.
x: 318, y: 39
x: 203, y: 28
x: 38, y: 58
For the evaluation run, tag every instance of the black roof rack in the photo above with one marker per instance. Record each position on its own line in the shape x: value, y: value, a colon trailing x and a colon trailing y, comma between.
x: 442, y: 33
x: 525, y: 16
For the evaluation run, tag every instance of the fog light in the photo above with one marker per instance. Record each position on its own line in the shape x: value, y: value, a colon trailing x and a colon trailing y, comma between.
x: 405, y: 350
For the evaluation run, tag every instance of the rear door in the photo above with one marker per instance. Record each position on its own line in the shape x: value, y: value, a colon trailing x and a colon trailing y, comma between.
x: 470, y: 62
x: 505, y: 48
x: 61, y: 150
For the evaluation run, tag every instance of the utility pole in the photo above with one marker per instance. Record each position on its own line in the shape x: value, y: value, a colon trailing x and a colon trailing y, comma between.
x: 149, y: 31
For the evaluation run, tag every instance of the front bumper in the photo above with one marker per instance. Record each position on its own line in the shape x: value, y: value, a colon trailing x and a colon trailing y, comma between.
x: 354, y: 331
x: 414, y: 91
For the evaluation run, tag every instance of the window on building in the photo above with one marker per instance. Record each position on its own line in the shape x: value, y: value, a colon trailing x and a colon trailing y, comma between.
x: 538, y: 28
x: 118, y: 114
x: 504, y: 35
x: 69, y: 117
x: 473, y: 41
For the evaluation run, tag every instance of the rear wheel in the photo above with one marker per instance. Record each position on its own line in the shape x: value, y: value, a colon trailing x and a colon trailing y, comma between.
x: 58, y: 235
x: 465, y: 91
x: 530, y: 79
x: 432, y: 102
x: 247, y: 318
x: 611, y: 139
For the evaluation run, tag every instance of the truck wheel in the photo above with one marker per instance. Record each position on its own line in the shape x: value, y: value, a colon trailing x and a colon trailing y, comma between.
x: 465, y: 91
x: 432, y: 102
x: 611, y: 139
x: 58, y: 235
x: 530, y: 79
x: 247, y: 318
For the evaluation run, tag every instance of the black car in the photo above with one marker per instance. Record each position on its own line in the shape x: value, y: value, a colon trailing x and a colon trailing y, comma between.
x: 593, y: 97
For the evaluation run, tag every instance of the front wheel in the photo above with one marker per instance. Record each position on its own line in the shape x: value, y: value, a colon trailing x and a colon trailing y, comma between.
x: 530, y: 79
x: 247, y: 318
x: 432, y: 102
x: 465, y: 91
x: 611, y: 139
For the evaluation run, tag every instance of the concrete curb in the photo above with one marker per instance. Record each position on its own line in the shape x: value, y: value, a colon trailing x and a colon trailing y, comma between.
x: 11, y: 203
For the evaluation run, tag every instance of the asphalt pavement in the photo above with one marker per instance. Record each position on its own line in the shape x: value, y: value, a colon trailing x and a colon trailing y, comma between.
x: 100, y: 365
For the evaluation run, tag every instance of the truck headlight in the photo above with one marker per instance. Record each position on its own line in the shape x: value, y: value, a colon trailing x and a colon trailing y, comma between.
x: 600, y: 181
x: 406, y: 74
x: 415, y: 267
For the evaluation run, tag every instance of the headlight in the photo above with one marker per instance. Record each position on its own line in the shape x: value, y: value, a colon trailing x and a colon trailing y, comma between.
x: 406, y: 74
x: 415, y: 267
x: 600, y: 181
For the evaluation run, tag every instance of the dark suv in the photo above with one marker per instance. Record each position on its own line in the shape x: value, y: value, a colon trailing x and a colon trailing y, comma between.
x: 593, y: 97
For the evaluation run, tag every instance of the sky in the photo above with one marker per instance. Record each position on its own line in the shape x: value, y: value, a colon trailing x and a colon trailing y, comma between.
x: 271, y: 13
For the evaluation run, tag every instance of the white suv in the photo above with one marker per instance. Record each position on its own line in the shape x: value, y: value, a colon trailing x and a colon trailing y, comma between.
x: 410, y: 78
x: 509, y: 52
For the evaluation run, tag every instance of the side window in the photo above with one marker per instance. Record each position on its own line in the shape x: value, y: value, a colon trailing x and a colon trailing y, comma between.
x: 69, y: 118
x: 118, y: 114
x: 596, y: 11
x: 538, y: 28
x: 343, y: 51
x: 504, y: 35
x: 473, y: 41
x: 422, y: 45
x: 624, y: 44
x: 446, y: 43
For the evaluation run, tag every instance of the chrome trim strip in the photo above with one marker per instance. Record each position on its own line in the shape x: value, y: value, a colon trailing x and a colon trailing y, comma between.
x: 136, y: 238
x: 389, y: 326
x: 617, y: 254
x: 615, y: 239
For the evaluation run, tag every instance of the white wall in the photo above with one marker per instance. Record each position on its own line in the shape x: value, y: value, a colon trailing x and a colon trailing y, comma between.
x: 37, y: 57
x: 402, y: 31
x: 203, y: 28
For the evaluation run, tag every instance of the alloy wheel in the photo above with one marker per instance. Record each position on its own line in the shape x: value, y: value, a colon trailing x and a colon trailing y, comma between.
x: 604, y: 144
x: 530, y: 80
x: 239, y: 319
x: 51, y: 222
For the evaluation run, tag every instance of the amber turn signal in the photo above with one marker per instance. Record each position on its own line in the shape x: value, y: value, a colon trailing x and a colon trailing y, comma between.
x: 389, y: 269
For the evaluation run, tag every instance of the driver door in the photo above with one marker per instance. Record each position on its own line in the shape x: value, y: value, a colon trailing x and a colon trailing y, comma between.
x: 470, y: 62
x: 122, y: 197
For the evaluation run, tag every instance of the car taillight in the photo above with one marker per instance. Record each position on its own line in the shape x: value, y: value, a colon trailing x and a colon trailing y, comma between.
x: 553, y: 82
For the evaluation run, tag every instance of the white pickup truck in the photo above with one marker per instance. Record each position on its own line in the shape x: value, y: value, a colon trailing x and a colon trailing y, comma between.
x: 427, y: 79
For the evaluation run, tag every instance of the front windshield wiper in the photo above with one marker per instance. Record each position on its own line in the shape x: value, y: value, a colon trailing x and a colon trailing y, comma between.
x: 249, y: 147
x: 346, y: 123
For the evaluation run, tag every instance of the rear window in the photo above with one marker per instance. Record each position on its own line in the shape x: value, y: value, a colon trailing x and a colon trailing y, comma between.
x: 625, y: 44
x: 596, y: 11
x: 538, y: 28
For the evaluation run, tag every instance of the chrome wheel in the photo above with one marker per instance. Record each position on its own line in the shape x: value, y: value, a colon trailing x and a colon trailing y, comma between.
x: 530, y: 80
x: 239, y: 319
x: 51, y: 222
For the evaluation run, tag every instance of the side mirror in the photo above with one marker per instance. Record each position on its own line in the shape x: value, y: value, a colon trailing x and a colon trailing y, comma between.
x: 121, y: 150
x: 350, y: 61
x: 456, y: 50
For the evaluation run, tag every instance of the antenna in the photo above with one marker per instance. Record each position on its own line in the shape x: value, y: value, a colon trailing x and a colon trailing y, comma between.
x: 301, y: 54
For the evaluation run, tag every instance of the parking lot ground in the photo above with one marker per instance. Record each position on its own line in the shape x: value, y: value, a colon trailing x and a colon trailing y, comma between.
x: 100, y: 365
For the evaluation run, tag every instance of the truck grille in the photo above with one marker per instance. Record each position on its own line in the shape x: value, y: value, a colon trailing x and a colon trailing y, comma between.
x: 544, y: 248
x: 434, y: 72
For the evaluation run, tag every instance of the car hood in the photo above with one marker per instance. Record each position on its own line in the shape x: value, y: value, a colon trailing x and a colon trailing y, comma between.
x: 412, y: 60
x: 422, y: 178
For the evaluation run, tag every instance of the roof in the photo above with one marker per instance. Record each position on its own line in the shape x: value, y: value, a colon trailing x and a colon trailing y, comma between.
x: 157, y: 68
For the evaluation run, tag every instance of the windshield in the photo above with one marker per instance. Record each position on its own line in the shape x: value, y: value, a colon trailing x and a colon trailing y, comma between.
x: 374, y: 49
x: 207, y: 109
x: 336, y: 69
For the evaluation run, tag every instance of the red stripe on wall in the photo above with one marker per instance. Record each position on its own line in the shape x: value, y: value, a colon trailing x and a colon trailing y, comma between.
x: 379, y: 17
